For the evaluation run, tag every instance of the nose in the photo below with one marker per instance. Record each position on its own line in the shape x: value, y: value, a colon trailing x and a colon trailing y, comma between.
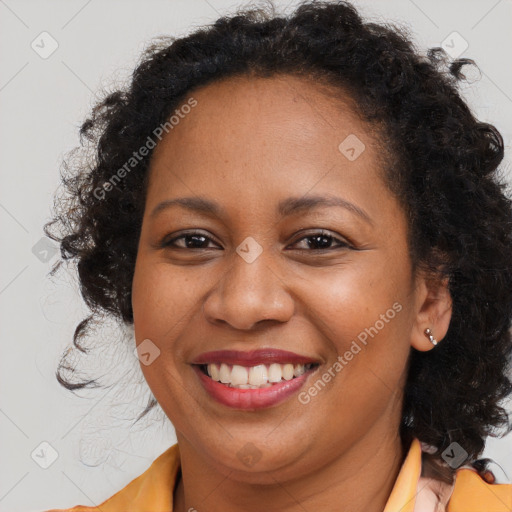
x: 248, y: 295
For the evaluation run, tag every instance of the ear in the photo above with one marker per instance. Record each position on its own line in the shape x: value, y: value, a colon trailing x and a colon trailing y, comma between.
x: 433, y: 311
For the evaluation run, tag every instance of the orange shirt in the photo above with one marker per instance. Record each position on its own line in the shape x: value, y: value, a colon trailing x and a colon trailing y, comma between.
x: 153, y: 490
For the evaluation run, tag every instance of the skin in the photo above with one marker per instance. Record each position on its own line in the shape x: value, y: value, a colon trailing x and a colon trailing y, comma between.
x: 249, y: 144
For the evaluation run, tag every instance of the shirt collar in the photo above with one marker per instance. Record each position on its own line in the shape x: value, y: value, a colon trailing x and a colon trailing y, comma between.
x: 403, y: 494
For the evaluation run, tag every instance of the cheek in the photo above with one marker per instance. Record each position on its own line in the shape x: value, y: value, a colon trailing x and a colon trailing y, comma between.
x: 163, y: 301
x: 351, y: 298
x: 167, y: 301
x: 362, y: 311
x: 161, y: 298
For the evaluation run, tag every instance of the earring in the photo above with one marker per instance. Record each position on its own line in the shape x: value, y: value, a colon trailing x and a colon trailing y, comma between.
x: 430, y: 336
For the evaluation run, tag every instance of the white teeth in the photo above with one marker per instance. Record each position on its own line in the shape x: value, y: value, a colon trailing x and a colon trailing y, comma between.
x: 239, y: 375
x: 298, y: 370
x: 225, y: 374
x: 288, y: 371
x: 258, y: 375
x: 274, y: 372
x: 255, y: 377
x: 214, y: 372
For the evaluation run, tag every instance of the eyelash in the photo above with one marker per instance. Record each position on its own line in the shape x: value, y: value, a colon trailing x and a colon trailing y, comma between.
x: 321, y: 233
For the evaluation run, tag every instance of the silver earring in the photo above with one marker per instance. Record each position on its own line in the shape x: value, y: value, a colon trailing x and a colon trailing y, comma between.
x: 430, y: 336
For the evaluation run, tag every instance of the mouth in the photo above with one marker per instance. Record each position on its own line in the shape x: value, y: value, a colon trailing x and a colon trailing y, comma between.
x: 254, y: 377
x: 256, y: 386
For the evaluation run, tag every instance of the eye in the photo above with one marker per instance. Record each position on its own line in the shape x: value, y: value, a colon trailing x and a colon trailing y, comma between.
x: 317, y: 241
x: 191, y: 240
x: 321, y: 241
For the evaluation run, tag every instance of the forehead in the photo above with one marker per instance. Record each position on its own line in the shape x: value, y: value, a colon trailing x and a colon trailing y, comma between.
x: 265, y: 135
x: 263, y: 110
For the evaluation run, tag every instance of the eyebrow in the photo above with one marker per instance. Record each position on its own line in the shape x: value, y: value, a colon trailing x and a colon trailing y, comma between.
x: 285, y: 208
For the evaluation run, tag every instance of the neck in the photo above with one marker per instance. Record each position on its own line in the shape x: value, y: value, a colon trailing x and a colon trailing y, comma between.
x: 361, y: 479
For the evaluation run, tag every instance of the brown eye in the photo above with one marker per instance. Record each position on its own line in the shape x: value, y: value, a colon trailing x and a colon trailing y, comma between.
x: 322, y: 241
x: 192, y: 240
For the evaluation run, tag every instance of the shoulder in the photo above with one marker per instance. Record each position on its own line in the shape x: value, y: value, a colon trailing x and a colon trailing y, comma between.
x: 471, y: 493
x: 153, y: 488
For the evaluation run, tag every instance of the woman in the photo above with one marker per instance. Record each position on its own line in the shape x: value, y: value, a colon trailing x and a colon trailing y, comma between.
x: 303, y: 221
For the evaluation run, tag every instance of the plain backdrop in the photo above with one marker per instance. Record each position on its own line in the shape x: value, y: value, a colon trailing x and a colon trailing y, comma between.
x: 56, y: 56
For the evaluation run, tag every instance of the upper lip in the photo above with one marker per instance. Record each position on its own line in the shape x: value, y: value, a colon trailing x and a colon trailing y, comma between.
x: 253, y: 357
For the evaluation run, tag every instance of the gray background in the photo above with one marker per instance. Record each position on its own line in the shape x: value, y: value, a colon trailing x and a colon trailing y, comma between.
x: 43, y: 101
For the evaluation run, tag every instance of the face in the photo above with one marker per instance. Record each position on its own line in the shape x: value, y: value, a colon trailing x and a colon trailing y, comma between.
x: 298, y: 246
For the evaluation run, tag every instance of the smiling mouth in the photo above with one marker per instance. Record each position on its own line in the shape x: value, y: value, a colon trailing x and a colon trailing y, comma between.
x: 255, y: 377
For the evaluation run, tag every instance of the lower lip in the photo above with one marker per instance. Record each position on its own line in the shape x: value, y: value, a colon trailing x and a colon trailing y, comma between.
x: 251, y: 398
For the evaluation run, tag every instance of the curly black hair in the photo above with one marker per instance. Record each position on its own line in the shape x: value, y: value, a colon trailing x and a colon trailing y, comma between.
x: 441, y: 163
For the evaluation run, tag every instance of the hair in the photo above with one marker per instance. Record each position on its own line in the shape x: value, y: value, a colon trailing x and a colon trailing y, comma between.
x: 442, y: 164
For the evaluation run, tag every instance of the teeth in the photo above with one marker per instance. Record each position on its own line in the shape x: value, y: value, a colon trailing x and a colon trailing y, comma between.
x: 225, y: 374
x: 255, y: 377
x: 214, y: 372
x: 258, y: 375
x: 288, y: 371
x: 298, y: 370
x: 240, y: 375
x: 274, y: 372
